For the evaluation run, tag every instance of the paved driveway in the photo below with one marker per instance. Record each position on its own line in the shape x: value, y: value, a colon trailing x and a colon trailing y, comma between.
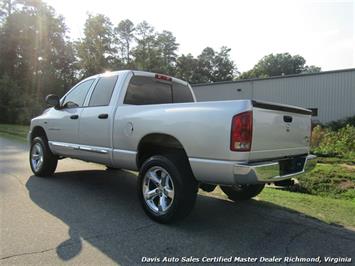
x: 87, y: 215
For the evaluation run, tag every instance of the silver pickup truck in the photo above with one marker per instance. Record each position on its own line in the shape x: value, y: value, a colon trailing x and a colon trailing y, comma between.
x: 151, y: 123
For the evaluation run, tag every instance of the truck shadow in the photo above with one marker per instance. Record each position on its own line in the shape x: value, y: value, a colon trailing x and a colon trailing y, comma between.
x: 101, y: 208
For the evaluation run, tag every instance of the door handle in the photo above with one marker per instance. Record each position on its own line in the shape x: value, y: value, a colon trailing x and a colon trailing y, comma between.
x: 74, y: 117
x: 103, y: 116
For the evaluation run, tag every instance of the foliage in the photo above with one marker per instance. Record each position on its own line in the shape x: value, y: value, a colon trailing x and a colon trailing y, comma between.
x: 336, y: 125
x: 278, y: 65
x: 311, y: 69
x: 124, y: 34
x: 167, y: 47
x: 209, y: 66
x: 340, y: 143
x: 332, y: 180
x: 10, y: 100
x: 95, y: 51
x: 223, y: 67
x: 147, y: 53
x: 35, y: 59
x: 186, y: 66
x: 17, y: 131
x: 327, y: 209
x: 333, y: 177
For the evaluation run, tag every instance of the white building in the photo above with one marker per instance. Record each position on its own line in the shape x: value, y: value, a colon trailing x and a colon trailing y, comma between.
x: 329, y: 94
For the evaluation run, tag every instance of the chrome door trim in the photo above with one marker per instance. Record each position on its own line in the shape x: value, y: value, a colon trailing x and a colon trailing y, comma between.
x: 101, y: 150
x: 64, y: 145
x: 125, y: 152
x: 94, y: 149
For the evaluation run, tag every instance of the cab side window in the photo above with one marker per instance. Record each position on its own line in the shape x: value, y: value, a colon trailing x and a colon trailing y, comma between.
x: 182, y: 93
x: 102, y: 93
x: 77, y: 96
x: 146, y: 90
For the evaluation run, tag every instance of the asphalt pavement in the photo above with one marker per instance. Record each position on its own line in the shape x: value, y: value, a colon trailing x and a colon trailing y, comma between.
x: 86, y: 215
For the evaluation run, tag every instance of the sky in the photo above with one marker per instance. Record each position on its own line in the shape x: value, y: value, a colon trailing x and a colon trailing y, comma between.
x: 323, y: 32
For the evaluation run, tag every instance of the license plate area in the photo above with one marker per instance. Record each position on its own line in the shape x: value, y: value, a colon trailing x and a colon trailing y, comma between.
x: 291, y: 166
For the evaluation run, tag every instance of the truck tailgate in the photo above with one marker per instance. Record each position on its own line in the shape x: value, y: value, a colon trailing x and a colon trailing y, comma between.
x: 279, y: 131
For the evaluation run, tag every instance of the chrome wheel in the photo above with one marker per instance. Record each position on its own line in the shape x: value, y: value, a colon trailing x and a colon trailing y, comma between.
x: 37, y: 156
x: 158, y: 190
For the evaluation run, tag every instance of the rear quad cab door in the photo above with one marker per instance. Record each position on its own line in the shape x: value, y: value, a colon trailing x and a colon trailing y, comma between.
x: 96, y: 123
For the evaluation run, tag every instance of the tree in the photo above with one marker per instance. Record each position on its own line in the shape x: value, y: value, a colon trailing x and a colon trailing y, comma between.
x: 155, y: 52
x: 223, y: 67
x: 205, y: 66
x: 125, y: 31
x: 96, y: 51
x: 35, y: 59
x: 210, y: 66
x: 10, y: 100
x: 277, y: 65
x: 186, y: 66
x: 147, y: 54
x: 311, y: 69
x: 167, y: 46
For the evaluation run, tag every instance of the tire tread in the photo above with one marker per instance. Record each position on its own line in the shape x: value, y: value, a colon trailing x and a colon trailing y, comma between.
x: 50, y: 160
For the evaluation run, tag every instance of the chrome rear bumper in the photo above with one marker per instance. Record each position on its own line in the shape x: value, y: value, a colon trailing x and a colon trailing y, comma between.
x: 271, y: 172
x: 234, y: 172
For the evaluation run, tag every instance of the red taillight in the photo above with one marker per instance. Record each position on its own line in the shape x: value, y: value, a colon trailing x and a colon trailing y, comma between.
x: 163, y: 77
x: 242, y: 131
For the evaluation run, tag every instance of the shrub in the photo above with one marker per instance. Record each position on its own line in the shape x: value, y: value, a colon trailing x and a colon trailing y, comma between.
x: 336, y: 125
x: 340, y: 143
x: 331, y: 180
x: 334, y: 175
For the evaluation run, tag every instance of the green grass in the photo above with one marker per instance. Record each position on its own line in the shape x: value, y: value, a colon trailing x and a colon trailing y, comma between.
x: 14, y: 131
x: 331, y: 180
x: 329, y: 210
x: 336, y: 160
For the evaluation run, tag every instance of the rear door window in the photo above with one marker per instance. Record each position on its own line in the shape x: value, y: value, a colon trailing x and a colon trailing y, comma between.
x: 146, y: 90
x: 102, y: 93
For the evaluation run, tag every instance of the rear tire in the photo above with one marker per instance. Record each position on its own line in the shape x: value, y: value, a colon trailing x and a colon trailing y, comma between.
x: 42, y: 161
x: 242, y: 192
x: 167, y: 188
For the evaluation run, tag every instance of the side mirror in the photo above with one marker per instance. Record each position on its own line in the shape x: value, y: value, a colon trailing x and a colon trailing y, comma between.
x: 53, y: 101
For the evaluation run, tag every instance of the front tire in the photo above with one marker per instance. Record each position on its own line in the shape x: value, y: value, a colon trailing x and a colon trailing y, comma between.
x: 166, y: 188
x: 242, y: 192
x: 42, y: 161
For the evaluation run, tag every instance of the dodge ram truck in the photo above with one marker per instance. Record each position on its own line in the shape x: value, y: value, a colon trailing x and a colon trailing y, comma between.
x: 151, y: 123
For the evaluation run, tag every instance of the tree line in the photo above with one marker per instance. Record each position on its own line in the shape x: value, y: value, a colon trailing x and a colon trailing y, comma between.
x: 37, y: 57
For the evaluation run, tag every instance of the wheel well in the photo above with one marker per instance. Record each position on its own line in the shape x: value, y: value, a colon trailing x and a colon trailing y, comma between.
x: 157, y: 143
x: 38, y: 131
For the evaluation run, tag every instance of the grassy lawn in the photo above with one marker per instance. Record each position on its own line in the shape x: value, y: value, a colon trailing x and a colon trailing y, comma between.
x: 329, y: 190
x: 329, y: 210
x: 18, y: 132
x: 336, y: 180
